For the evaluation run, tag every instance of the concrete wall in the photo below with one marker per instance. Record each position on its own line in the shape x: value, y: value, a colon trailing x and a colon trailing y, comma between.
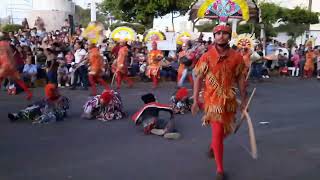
x: 53, y: 20
x: 53, y: 12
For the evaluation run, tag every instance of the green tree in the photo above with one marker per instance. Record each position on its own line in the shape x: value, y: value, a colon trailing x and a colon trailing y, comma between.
x: 294, y: 21
x: 143, y: 11
x: 83, y: 16
x: 11, y: 27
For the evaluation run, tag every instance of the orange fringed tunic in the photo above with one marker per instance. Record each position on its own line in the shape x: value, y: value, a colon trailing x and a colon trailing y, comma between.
x: 96, y: 62
x: 154, y: 63
x: 221, y: 75
x: 7, y: 65
x: 309, y: 66
x: 181, y: 66
x: 121, y: 64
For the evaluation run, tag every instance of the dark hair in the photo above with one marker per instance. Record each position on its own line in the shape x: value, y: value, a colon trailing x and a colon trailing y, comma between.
x: 80, y: 44
x: 148, y: 98
x: 50, y: 50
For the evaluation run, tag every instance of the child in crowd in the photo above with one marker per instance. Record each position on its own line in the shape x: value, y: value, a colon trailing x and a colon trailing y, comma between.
x: 63, y: 77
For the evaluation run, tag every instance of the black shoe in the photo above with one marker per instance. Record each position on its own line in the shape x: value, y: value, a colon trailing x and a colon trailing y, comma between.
x: 73, y: 88
x: 220, y: 176
x: 211, y: 153
x: 84, y: 88
x: 13, y: 117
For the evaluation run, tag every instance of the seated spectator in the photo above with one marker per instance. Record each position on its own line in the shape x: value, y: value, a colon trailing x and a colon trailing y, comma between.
x: 29, y: 73
x: 63, y: 75
x: 40, y: 58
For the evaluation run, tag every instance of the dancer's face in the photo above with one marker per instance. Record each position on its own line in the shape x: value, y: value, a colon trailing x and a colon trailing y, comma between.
x: 221, y: 38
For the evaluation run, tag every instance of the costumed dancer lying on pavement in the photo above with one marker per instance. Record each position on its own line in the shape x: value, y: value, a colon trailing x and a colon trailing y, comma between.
x: 181, y: 101
x: 104, y: 107
x: 8, y: 68
x: 52, y: 108
x: 148, y: 116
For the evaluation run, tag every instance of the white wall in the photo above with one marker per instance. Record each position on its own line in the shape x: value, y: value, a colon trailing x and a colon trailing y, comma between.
x: 49, y: 5
x: 53, y: 12
x: 283, y: 37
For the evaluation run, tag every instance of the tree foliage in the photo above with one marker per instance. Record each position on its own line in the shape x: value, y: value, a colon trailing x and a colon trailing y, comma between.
x: 143, y: 11
x: 11, y: 27
x: 83, y: 16
x: 208, y: 27
x: 293, y: 21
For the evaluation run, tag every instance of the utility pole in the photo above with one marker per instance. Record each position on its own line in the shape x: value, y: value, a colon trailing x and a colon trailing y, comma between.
x: 310, y: 9
x: 93, y: 10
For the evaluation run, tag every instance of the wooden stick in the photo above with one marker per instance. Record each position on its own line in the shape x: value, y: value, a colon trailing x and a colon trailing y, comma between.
x: 253, y: 143
x: 245, y: 110
x: 112, y: 81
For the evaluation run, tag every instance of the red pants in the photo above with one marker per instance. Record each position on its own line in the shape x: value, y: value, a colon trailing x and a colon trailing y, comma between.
x: 155, y: 81
x: 308, y: 73
x: 22, y: 85
x: 217, y: 144
x: 123, y: 76
x: 94, y: 79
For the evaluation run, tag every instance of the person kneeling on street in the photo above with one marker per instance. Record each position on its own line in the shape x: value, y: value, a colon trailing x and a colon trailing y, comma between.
x: 104, y: 107
x: 50, y: 109
x: 148, y: 116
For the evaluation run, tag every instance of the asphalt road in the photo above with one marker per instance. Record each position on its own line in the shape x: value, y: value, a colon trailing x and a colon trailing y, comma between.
x: 288, y: 146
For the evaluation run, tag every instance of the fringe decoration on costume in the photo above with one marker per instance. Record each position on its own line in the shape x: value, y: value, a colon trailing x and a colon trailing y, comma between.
x: 213, y: 81
x: 201, y: 69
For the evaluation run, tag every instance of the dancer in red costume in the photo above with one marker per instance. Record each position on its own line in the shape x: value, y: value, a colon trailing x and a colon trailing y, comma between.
x: 154, y: 58
x: 96, y: 69
x: 120, y: 67
x: 8, y: 68
x: 221, y: 68
x: 186, y: 59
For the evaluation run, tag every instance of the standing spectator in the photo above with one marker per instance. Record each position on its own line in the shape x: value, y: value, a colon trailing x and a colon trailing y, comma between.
x: 39, y: 23
x: 25, y: 24
x: 296, y: 62
x: 81, y: 70
x: 18, y: 57
x: 257, y: 62
x: 52, y: 66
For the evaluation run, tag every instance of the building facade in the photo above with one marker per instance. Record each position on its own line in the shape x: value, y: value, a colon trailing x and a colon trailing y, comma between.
x: 53, y: 12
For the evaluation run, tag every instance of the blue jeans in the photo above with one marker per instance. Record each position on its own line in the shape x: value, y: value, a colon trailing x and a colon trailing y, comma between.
x: 186, y: 72
x: 256, y: 70
x: 52, y: 77
x: 82, y: 73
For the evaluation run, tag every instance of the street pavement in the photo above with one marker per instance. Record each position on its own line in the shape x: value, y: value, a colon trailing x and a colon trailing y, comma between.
x: 288, y: 143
